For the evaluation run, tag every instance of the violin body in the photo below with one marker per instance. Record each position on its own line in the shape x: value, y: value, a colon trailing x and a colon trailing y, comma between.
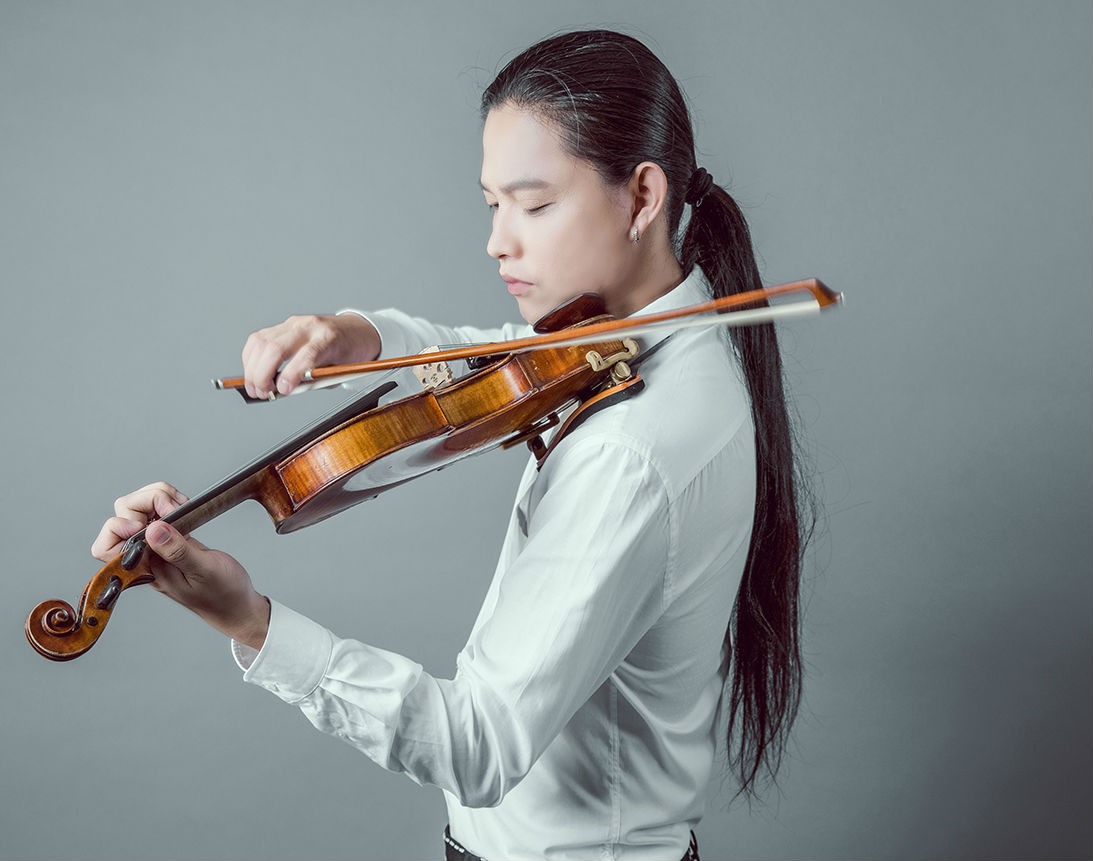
x: 389, y: 445
x: 355, y: 454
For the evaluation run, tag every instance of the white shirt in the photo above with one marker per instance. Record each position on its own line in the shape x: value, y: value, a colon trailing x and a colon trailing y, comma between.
x: 582, y: 719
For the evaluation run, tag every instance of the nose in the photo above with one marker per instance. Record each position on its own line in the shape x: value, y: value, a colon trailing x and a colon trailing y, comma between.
x: 502, y: 241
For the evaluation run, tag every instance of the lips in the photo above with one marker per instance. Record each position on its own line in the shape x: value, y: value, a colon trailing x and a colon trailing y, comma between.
x: 516, y: 286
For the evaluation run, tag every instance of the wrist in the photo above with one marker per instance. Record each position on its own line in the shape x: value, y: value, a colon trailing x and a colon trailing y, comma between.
x: 252, y: 629
x: 361, y: 338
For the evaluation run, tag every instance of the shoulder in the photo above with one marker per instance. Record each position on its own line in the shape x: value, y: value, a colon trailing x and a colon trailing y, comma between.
x: 692, y: 404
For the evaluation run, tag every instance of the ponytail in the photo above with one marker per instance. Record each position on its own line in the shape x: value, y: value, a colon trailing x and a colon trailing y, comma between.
x: 762, y: 645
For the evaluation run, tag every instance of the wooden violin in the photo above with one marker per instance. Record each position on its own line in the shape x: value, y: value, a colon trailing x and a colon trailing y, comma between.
x: 369, y: 446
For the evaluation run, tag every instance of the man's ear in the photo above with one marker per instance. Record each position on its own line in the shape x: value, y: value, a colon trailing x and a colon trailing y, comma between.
x: 648, y: 188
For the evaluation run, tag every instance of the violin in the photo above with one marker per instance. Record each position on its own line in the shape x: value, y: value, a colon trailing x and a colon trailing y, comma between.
x: 515, y: 391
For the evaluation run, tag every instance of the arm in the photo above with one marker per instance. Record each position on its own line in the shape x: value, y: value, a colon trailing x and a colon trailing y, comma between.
x: 310, y: 341
x: 402, y: 334
x: 584, y: 588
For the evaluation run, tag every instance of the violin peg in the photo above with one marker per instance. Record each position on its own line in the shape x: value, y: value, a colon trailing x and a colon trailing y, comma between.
x: 131, y: 552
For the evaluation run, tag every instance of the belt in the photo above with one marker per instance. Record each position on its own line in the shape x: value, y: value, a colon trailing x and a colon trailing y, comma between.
x: 456, y: 851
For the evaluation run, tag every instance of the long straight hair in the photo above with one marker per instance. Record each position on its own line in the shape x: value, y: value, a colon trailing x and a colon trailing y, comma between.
x: 616, y: 105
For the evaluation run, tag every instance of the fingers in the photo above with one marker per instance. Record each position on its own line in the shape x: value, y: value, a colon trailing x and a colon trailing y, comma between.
x: 179, y: 562
x: 132, y: 513
x: 306, y: 358
x: 151, y: 501
x: 302, y: 341
x: 209, y: 582
x: 112, y: 536
x: 262, y: 356
x: 170, y: 545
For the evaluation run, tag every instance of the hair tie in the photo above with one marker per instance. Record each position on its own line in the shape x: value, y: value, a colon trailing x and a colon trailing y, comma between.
x: 699, y: 186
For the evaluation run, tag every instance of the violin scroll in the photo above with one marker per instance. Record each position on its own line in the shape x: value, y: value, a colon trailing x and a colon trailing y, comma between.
x: 59, y: 633
x: 50, y: 628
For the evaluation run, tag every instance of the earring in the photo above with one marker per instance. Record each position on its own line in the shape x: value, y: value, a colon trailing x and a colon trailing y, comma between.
x: 634, y: 235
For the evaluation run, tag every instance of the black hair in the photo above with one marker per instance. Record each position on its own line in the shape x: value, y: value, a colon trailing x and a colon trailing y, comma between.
x: 616, y: 105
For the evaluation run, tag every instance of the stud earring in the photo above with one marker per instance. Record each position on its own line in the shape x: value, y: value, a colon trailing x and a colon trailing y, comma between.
x: 634, y: 235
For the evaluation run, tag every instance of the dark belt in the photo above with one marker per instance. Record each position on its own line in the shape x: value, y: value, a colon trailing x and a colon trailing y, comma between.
x: 455, y: 851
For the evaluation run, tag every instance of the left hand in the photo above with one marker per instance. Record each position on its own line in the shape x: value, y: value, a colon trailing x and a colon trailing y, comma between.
x: 209, y: 582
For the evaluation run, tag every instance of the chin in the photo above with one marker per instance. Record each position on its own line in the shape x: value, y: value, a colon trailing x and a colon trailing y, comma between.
x: 530, y: 311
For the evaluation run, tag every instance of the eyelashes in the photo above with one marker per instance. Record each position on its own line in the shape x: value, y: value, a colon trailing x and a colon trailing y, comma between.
x: 534, y: 210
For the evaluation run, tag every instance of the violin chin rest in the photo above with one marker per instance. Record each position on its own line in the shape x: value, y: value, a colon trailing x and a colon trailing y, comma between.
x: 572, y: 312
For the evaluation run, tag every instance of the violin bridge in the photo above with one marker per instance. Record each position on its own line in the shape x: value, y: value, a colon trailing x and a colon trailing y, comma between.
x: 616, y: 362
x: 433, y: 375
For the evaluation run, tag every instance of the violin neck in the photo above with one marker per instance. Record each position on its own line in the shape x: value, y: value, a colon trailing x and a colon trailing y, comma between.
x: 258, y: 480
x: 215, y: 501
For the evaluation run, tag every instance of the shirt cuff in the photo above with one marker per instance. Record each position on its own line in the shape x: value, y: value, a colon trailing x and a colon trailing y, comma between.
x: 294, y: 658
x: 391, y: 325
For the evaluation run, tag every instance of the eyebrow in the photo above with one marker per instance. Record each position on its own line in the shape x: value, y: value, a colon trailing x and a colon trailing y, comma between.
x: 520, y: 185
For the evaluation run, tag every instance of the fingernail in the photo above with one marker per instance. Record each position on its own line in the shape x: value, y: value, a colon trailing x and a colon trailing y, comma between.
x: 159, y: 532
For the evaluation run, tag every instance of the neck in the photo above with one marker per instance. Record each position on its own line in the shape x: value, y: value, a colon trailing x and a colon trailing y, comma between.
x: 655, y: 272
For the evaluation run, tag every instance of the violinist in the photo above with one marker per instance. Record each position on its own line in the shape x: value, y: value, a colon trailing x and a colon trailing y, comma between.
x: 645, y: 600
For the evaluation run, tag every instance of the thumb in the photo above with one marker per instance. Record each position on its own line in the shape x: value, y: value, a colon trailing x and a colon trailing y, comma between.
x: 170, y: 545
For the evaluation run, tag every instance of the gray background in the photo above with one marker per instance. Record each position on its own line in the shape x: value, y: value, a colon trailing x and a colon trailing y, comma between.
x: 174, y: 175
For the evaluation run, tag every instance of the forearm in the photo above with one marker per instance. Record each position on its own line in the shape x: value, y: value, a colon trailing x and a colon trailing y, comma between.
x: 402, y: 334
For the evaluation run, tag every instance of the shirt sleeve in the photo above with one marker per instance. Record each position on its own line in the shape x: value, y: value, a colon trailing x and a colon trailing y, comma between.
x: 402, y: 334
x: 585, y: 585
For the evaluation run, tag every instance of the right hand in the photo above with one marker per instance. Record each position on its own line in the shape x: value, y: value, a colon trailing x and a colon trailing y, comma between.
x: 302, y: 343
